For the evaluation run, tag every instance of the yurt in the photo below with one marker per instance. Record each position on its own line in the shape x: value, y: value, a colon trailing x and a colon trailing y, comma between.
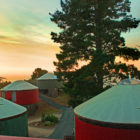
x: 13, y: 119
x: 21, y: 92
x: 130, y: 81
x: 48, y: 83
x: 111, y: 115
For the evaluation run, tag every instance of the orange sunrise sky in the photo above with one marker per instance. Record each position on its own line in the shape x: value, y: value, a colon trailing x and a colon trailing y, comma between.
x: 25, y: 41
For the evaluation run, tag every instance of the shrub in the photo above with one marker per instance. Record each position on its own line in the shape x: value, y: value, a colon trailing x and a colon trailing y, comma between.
x: 51, y: 118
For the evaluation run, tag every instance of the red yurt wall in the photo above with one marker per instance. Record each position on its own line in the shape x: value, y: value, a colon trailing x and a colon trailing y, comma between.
x: 86, y: 131
x: 24, y: 97
x: 8, y: 95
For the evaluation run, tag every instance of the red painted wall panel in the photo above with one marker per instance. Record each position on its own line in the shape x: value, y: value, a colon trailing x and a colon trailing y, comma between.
x: 85, y: 131
x: 27, y: 97
x: 24, y: 97
x: 8, y: 96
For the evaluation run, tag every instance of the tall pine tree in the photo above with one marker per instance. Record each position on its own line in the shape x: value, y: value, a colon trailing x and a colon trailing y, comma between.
x: 91, y: 32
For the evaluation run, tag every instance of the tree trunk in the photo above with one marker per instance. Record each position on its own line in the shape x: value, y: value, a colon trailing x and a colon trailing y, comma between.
x: 100, y: 80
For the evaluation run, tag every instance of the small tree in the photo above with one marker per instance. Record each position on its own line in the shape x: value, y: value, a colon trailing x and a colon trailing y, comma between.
x: 38, y: 72
x: 91, y: 32
x: 3, y: 82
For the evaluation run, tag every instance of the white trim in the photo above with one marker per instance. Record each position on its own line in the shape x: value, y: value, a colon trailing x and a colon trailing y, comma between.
x: 14, y: 96
x: 3, y: 94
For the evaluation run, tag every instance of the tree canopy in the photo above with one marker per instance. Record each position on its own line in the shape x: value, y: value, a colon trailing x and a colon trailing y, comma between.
x: 3, y: 82
x: 91, y: 32
x: 38, y: 72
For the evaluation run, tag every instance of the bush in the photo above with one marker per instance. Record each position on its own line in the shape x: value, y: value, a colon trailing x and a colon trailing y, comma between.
x: 74, y: 102
x: 51, y: 118
x: 48, y: 118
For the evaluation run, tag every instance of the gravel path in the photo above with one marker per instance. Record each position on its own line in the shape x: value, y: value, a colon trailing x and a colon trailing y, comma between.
x: 66, y: 123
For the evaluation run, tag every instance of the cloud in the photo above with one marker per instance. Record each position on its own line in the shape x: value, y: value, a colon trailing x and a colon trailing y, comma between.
x: 26, y: 22
x: 7, y: 39
x: 38, y: 33
x: 3, y: 37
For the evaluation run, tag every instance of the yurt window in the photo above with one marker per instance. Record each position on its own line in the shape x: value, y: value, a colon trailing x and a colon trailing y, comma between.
x: 3, y: 94
x: 14, y: 96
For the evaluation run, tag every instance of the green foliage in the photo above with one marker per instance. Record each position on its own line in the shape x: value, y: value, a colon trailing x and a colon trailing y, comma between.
x: 129, y: 53
x: 51, y: 118
x: 38, y: 72
x: 91, y: 33
x: 48, y: 118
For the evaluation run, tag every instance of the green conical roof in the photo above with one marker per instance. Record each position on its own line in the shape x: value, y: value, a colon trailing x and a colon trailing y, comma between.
x: 119, y: 104
x: 19, y: 85
x: 9, y: 109
x: 48, y: 76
